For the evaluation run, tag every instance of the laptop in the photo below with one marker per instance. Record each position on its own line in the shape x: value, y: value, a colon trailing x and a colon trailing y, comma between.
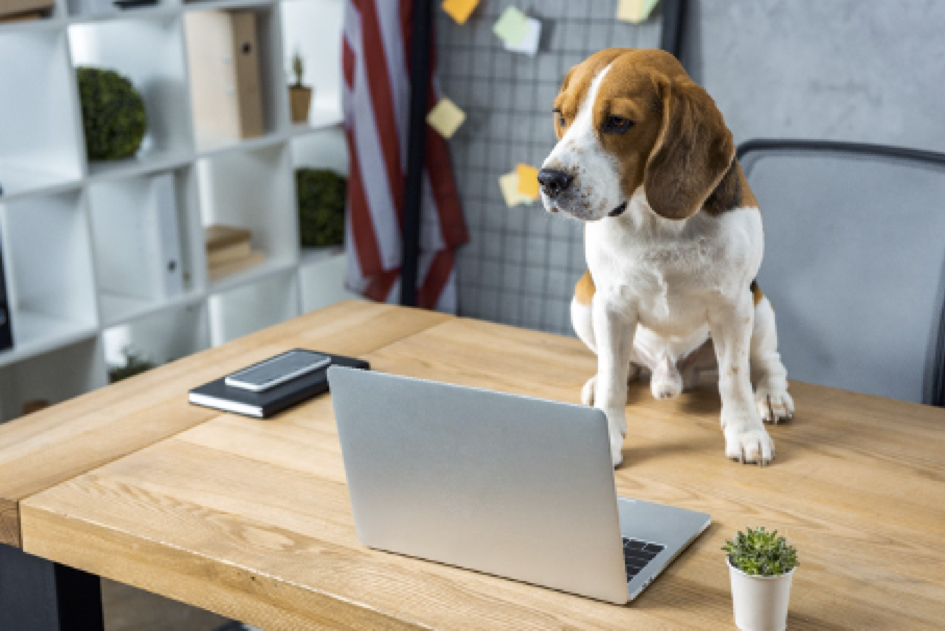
x: 508, y: 485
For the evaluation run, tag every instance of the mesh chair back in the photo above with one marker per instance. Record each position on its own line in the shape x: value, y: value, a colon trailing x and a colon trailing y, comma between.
x: 853, y: 265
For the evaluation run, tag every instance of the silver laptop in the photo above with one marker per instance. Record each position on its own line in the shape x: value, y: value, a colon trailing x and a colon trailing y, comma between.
x: 508, y: 485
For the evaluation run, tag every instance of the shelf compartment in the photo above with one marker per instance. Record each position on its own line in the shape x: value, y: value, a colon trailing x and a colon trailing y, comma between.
x: 42, y: 144
x: 50, y: 283
x: 253, y: 306
x: 313, y: 28
x: 52, y: 377
x: 161, y: 337
x: 144, y: 233
x: 157, y: 72
x: 208, y: 46
x: 253, y: 190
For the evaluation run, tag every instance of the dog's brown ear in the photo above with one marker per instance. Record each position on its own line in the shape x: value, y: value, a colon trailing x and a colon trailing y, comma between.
x: 692, y: 152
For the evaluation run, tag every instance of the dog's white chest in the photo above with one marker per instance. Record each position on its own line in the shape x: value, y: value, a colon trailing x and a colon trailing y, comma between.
x: 668, y: 271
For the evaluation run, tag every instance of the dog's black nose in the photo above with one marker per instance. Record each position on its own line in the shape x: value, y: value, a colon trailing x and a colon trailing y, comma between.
x: 553, y: 181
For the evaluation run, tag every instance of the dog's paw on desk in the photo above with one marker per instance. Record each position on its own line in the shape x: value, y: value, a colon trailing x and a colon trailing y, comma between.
x: 775, y: 405
x: 748, y: 443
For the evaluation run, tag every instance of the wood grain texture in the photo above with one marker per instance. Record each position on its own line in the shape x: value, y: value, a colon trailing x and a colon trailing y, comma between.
x: 63, y: 441
x: 252, y: 519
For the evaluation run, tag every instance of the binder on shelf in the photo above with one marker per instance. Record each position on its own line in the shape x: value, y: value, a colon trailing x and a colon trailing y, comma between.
x: 168, y: 270
x: 223, y: 56
x: 6, y: 325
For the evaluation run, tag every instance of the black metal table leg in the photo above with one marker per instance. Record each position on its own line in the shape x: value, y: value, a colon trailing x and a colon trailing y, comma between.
x: 39, y: 595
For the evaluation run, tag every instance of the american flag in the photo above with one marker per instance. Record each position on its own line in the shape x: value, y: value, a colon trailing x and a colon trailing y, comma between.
x: 376, y: 97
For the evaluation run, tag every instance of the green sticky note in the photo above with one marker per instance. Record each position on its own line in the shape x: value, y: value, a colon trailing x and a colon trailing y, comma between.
x: 512, y: 26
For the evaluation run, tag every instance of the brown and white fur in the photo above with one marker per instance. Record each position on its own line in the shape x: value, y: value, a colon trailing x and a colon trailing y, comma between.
x: 673, y: 238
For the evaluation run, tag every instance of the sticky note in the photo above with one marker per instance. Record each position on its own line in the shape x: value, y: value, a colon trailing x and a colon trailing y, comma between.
x: 635, y: 11
x: 446, y: 117
x: 509, y: 185
x: 459, y: 10
x: 529, y: 42
x: 527, y: 180
x: 511, y: 26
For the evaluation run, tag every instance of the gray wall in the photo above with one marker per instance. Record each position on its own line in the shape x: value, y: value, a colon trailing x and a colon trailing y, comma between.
x: 862, y: 70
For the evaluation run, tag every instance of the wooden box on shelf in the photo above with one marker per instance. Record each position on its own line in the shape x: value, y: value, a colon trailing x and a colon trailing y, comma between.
x: 229, y: 250
x: 223, y: 55
x: 18, y: 9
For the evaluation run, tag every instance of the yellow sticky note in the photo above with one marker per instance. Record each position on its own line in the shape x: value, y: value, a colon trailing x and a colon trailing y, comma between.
x: 459, y: 10
x: 527, y: 181
x: 635, y: 11
x: 446, y: 117
x: 509, y: 185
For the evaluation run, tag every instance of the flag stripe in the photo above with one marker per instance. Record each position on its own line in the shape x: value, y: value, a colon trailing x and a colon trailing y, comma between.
x: 375, y: 65
x: 375, y: 62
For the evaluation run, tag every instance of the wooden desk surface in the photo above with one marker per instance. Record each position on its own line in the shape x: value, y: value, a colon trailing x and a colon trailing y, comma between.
x: 251, y: 518
x: 65, y: 440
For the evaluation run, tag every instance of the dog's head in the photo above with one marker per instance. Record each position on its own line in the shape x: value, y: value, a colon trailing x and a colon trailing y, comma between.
x: 627, y: 118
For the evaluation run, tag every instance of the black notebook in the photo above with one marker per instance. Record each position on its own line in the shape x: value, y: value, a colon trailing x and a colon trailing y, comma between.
x: 218, y: 395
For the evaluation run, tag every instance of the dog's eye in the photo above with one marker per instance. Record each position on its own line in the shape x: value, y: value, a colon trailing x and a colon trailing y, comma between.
x: 617, y: 124
x: 561, y: 120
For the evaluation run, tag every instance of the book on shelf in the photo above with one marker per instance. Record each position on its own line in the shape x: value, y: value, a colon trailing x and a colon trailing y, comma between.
x: 229, y: 250
x: 223, y: 58
x: 223, y: 269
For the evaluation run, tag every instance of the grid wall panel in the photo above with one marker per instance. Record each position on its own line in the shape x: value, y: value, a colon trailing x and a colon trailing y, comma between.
x: 521, y: 263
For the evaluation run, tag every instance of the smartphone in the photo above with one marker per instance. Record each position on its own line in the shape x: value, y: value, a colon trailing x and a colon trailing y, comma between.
x: 277, y: 370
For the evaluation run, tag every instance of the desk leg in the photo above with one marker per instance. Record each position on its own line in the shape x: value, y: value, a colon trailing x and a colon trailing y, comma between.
x: 39, y: 595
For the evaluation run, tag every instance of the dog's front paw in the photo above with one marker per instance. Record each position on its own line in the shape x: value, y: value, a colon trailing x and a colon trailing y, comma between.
x: 775, y: 405
x: 748, y: 443
x: 616, y: 448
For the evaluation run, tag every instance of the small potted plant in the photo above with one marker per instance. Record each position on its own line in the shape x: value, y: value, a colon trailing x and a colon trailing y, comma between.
x: 761, y: 565
x: 300, y: 96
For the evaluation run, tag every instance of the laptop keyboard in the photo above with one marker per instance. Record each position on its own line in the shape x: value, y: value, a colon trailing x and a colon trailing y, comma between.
x: 636, y: 554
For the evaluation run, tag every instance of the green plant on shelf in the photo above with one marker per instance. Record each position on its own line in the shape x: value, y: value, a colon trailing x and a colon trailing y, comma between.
x: 761, y: 553
x: 136, y: 363
x: 298, y: 68
x: 113, y: 114
x: 321, y: 206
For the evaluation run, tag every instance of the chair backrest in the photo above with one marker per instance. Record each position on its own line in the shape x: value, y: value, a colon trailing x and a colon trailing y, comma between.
x: 853, y: 265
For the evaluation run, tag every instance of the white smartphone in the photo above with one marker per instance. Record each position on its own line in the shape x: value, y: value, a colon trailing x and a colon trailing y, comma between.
x: 278, y: 369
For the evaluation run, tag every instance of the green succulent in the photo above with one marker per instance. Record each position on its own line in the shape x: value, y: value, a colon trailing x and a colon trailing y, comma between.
x: 761, y: 553
x: 135, y: 363
x: 321, y: 206
x: 113, y: 114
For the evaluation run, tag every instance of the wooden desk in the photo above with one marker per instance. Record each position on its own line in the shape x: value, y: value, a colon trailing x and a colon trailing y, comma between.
x: 251, y: 518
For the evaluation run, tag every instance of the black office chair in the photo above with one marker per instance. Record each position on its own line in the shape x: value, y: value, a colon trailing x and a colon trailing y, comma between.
x: 853, y: 264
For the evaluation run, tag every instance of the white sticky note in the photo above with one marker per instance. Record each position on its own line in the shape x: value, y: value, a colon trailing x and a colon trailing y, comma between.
x: 528, y: 45
x: 509, y: 185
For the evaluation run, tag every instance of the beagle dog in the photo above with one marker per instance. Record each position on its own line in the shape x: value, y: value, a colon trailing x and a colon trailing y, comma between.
x: 673, y: 239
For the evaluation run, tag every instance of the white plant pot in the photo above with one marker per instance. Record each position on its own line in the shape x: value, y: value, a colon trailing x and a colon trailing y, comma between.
x: 760, y: 602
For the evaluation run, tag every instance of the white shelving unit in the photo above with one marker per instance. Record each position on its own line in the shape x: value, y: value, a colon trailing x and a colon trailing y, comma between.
x: 76, y: 266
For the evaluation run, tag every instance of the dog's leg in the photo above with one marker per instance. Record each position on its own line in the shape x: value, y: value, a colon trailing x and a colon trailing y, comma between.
x: 615, y: 324
x: 730, y: 321
x: 767, y: 372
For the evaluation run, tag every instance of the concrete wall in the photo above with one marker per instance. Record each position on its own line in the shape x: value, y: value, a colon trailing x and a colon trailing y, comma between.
x: 861, y: 70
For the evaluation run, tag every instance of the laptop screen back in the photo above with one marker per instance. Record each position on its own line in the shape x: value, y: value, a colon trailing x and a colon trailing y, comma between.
x: 508, y: 485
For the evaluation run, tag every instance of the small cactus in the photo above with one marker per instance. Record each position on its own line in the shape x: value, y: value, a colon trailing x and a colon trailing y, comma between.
x: 761, y: 553
x: 298, y: 68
